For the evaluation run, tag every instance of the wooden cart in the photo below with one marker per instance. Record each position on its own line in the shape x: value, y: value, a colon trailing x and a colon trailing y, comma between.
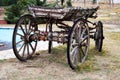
x: 77, y: 36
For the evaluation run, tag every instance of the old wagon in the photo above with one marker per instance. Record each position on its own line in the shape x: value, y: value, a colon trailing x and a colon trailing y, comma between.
x: 76, y: 36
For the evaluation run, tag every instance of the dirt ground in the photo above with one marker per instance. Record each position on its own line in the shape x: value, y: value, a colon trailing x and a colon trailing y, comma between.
x: 54, y: 66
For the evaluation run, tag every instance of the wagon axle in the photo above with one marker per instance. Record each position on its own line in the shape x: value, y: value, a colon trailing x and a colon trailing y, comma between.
x: 57, y: 36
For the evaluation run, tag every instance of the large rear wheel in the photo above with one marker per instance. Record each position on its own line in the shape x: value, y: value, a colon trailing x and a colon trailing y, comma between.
x: 24, y: 44
x: 78, y: 44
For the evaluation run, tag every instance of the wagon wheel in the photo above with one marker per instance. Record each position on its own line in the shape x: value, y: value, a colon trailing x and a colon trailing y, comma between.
x: 50, y: 41
x: 24, y: 45
x: 99, y: 36
x: 78, y: 44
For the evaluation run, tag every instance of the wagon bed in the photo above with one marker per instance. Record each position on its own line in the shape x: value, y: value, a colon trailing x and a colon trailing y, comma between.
x: 69, y: 13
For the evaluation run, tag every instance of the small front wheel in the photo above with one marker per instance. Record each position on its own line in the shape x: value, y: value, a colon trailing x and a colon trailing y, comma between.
x: 24, y: 45
x: 78, y: 44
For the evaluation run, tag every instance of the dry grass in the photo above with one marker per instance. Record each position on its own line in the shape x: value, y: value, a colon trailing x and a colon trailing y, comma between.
x: 115, y: 35
x: 91, y: 64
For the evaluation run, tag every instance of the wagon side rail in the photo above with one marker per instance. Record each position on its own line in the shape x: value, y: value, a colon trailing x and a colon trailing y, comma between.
x: 63, y: 13
x: 85, y: 13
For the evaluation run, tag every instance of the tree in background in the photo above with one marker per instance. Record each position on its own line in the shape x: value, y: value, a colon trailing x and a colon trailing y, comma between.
x: 14, y: 11
x: 1, y: 3
x: 94, y: 1
x: 68, y: 3
x: 25, y: 3
x: 40, y: 3
x: 8, y: 2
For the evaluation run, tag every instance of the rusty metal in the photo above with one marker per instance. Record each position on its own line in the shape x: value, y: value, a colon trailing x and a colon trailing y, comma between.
x: 58, y: 36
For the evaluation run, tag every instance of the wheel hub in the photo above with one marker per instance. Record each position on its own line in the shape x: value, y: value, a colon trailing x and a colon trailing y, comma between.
x: 26, y: 38
x: 32, y: 37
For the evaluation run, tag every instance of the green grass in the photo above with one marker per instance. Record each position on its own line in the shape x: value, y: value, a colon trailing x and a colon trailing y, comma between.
x: 87, y: 79
x: 1, y: 61
x: 87, y: 66
x: 91, y: 63
x: 115, y: 36
x: 59, y: 56
x: 59, y: 49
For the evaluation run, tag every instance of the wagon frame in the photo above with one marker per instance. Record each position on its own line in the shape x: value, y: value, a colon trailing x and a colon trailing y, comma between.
x: 26, y: 32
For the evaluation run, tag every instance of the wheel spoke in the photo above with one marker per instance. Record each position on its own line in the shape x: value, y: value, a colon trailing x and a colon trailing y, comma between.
x: 30, y: 27
x: 76, y: 57
x: 28, y: 49
x: 73, y: 49
x: 76, y: 31
x: 23, y: 54
x: 22, y: 29
x: 84, y: 44
x: 80, y: 30
x: 82, y: 51
x: 21, y: 47
x: 29, y: 32
x: 79, y: 33
x: 31, y: 46
x: 19, y: 34
x: 25, y: 23
x: 83, y: 39
x: 18, y: 42
x: 83, y: 32
x: 75, y: 44
x: 72, y: 53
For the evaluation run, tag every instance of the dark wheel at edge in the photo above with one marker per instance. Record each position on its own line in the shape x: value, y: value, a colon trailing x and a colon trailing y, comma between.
x: 99, y: 36
x: 78, y: 44
x: 23, y: 45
